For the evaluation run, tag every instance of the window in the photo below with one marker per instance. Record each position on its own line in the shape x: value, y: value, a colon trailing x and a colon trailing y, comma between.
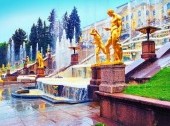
x: 132, y: 16
x: 153, y: 12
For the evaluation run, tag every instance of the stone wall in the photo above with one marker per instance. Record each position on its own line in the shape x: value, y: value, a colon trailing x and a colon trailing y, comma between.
x: 131, y: 110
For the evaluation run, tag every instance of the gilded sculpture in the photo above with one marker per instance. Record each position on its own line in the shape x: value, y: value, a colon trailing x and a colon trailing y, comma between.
x: 113, y: 41
x: 99, y: 45
x: 115, y: 32
x: 1, y: 81
x: 8, y: 66
x: 40, y: 60
x: 3, y: 68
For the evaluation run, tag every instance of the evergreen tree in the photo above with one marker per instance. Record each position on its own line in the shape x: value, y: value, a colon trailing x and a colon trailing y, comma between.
x: 60, y: 27
x: 70, y: 30
x: 33, y: 37
x: 3, y: 53
x: 76, y: 22
x: 47, y: 38
x: 73, y: 26
x: 40, y: 33
x: 52, y: 28
x: 65, y: 23
x: 18, y: 37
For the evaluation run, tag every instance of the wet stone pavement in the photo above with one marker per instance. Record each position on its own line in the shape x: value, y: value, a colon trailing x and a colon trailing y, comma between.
x: 37, y: 112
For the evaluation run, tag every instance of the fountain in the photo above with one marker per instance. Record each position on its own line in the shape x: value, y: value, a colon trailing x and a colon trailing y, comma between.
x: 42, y: 50
x: 31, y: 52
x: 24, y: 50
x: 21, y: 55
x: 37, y: 48
x: 12, y: 53
x: 9, y: 53
x: 62, y: 53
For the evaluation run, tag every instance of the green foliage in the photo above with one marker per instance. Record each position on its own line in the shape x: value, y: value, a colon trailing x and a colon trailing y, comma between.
x: 46, y: 38
x: 70, y: 30
x: 100, y: 124
x: 18, y: 37
x: 40, y: 34
x: 76, y: 22
x: 71, y: 25
x: 33, y: 37
x: 157, y: 87
x: 52, y: 28
x: 3, y: 53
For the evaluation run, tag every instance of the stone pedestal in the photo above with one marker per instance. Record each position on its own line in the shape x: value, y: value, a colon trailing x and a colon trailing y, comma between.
x: 94, y: 82
x: 40, y: 72
x: 74, y: 59
x: 112, y: 78
x: 8, y: 72
x: 49, y: 61
x: 148, y: 50
x: 25, y: 71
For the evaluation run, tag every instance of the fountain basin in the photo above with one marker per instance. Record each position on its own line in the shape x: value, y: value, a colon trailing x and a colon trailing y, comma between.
x: 58, y: 90
x: 26, y: 78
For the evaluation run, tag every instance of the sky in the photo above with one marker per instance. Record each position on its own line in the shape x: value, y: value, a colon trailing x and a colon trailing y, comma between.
x: 16, y: 14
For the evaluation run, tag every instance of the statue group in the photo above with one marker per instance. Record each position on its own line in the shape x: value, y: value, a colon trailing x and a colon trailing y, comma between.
x: 113, y: 41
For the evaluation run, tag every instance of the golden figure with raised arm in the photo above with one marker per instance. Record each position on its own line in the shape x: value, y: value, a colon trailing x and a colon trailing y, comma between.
x: 115, y: 30
x: 40, y: 60
x: 99, y: 44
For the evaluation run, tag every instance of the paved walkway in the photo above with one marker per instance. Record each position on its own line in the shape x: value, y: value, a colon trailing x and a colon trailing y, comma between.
x: 26, y: 112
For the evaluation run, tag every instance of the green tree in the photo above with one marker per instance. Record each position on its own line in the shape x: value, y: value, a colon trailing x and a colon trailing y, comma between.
x: 3, y: 53
x: 70, y: 28
x: 33, y: 37
x: 72, y: 25
x: 47, y: 38
x: 65, y: 23
x: 18, y: 37
x: 52, y: 28
x: 40, y: 33
x: 76, y: 23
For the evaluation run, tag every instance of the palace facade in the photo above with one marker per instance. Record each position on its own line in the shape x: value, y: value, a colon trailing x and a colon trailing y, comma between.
x: 136, y: 14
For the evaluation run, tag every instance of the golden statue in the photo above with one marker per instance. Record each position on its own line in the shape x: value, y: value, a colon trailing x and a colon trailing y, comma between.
x: 99, y: 45
x: 1, y: 81
x: 40, y: 60
x: 3, y: 68
x: 8, y: 66
x: 115, y: 30
x: 118, y: 54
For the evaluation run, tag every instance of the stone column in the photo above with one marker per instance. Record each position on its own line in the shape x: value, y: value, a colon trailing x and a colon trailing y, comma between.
x: 112, y: 81
x: 49, y: 60
x: 40, y: 72
x: 74, y: 59
x: 148, y: 50
x: 112, y: 78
